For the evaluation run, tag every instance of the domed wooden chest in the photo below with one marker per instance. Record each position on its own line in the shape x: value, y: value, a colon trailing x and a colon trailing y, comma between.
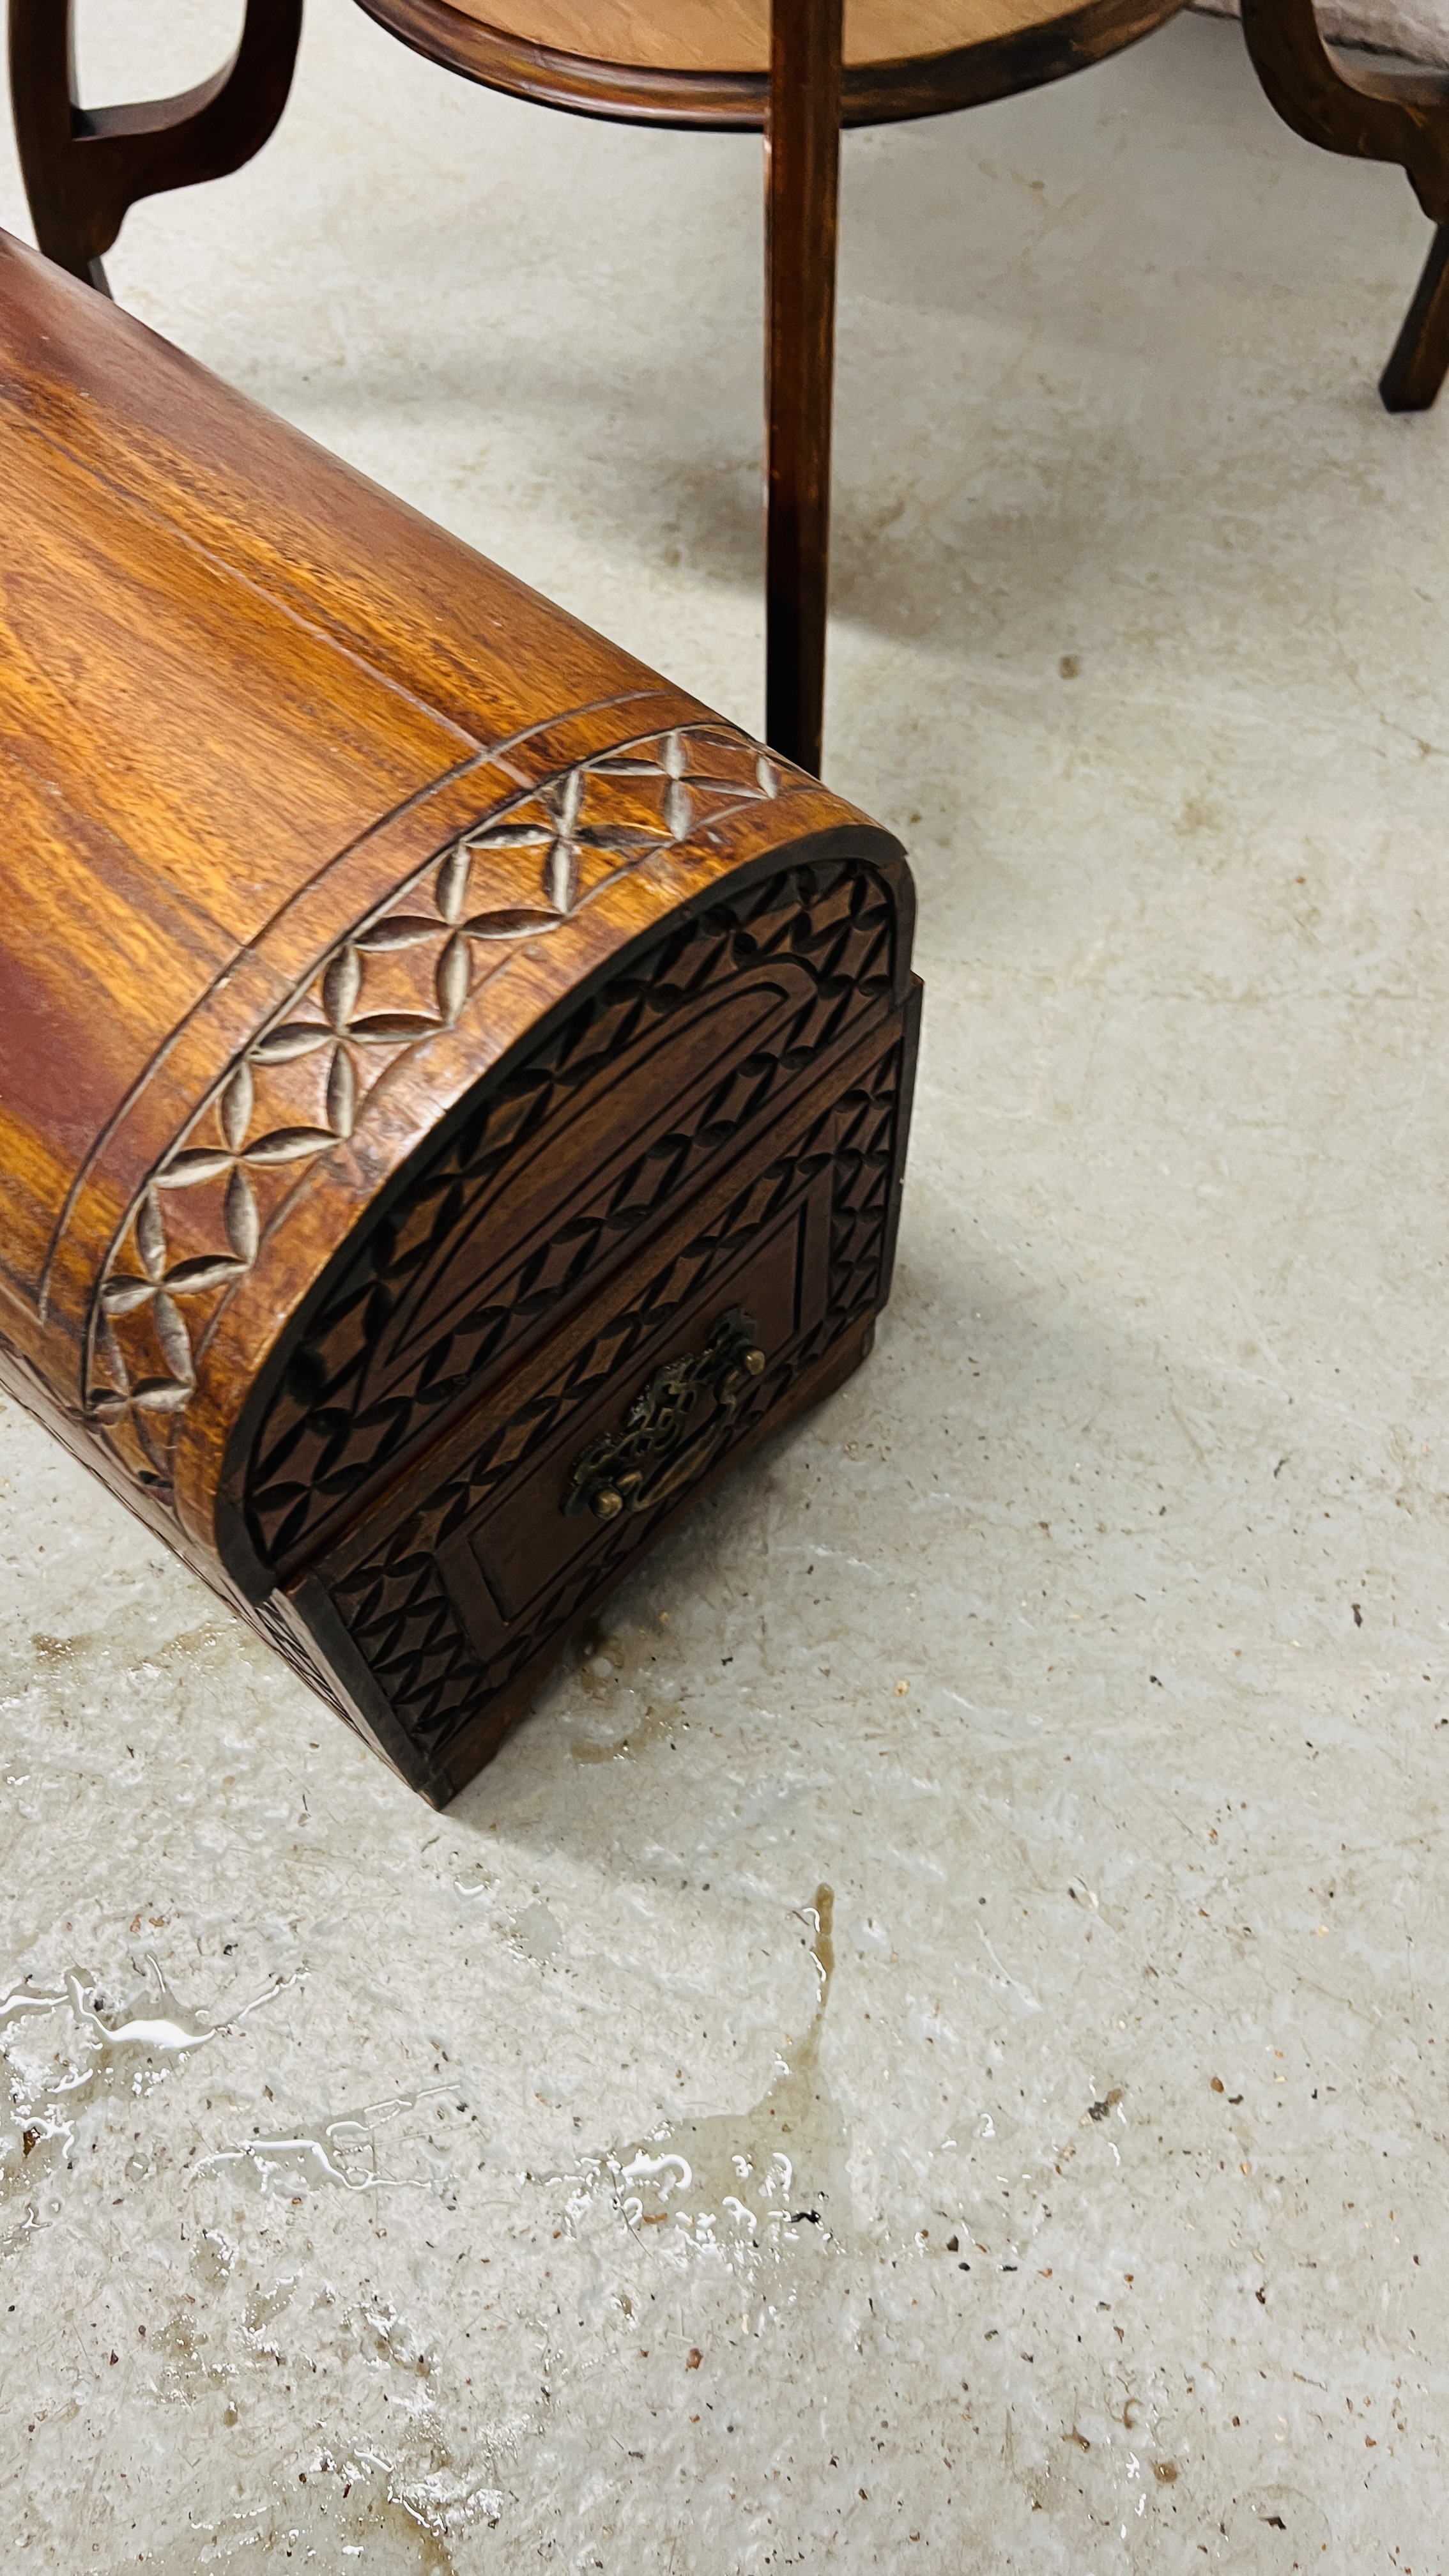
x: 453, y: 1087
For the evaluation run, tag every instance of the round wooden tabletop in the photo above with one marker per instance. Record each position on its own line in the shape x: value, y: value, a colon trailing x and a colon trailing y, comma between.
x: 705, y: 62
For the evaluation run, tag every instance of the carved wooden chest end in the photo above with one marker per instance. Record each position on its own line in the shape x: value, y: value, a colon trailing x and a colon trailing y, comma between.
x: 453, y: 1087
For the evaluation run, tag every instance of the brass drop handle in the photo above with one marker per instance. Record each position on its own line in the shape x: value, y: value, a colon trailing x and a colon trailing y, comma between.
x: 611, y: 1475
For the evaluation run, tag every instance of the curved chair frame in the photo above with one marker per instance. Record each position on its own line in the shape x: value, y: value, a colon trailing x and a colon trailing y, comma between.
x: 1372, y: 115
x: 84, y: 168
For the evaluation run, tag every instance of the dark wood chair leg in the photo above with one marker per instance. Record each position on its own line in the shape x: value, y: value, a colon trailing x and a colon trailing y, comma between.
x: 84, y: 167
x: 802, y: 191
x: 1379, y: 115
x: 1420, y: 361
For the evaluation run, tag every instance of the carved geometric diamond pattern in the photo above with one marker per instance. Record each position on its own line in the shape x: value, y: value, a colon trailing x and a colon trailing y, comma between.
x: 399, y: 976
x: 499, y: 1453
x: 282, y: 1640
x: 398, y: 1608
x: 360, y: 1388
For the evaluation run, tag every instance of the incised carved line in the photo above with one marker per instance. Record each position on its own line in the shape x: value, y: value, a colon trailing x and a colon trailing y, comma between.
x: 300, y: 1087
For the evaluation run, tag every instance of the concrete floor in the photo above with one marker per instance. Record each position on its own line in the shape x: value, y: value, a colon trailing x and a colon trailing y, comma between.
x: 1006, y: 1828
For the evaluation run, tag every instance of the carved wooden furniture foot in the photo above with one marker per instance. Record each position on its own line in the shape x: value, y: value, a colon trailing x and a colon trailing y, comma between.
x: 453, y: 1087
x: 85, y: 167
x: 1378, y: 115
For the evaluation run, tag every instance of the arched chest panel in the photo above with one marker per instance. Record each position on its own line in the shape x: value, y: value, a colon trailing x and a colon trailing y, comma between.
x: 650, y: 1235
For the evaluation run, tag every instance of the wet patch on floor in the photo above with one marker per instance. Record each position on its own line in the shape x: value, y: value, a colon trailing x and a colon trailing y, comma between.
x: 630, y: 1701
x: 337, y: 2518
x: 737, y: 2190
x: 340, y: 2153
x: 76, y: 2061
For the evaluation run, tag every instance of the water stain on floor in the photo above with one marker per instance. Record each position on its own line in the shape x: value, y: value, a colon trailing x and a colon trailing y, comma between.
x: 70, y: 2052
x: 657, y: 1723
x: 329, y: 2522
x: 341, y: 2152
x: 738, y: 2187
x: 616, y: 1673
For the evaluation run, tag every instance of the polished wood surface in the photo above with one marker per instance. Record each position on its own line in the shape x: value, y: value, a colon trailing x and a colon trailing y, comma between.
x: 802, y: 196
x: 691, y: 65
x: 798, y: 70
x: 1419, y: 359
x: 418, y: 1023
x: 734, y: 35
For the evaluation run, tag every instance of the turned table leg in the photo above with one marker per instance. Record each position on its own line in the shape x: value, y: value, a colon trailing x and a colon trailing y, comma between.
x: 802, y: 187
x: 84, y: 167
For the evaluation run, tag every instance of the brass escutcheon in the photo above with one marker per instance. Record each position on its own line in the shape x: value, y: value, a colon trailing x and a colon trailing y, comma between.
x: 610, y: 1475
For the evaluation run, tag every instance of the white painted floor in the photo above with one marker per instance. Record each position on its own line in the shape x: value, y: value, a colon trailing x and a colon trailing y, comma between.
x: 1091, y: 1649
